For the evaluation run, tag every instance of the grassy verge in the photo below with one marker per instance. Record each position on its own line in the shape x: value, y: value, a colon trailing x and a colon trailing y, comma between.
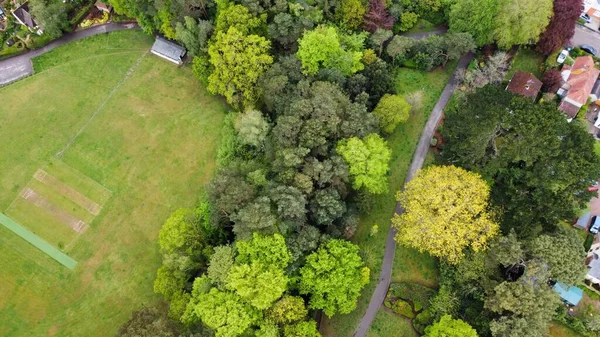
x: 526, y: 60
x: 422, y: 26
x: 559, y: 330
x: 409, y: 265
x: 387, y: 323
x: 152, y: 144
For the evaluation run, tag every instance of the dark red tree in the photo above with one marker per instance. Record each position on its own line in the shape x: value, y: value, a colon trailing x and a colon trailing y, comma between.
x: 552, y: 80
x: 561, y: 27
x: 377, y: 17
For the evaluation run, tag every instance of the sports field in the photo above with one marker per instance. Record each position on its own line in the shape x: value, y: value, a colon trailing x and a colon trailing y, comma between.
x: 98, y: 147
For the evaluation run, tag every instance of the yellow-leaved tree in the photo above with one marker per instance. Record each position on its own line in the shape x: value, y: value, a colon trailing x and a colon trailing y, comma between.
x: 446, y: 211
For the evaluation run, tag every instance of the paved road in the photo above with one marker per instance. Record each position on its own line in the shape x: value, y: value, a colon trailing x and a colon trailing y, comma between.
x: 417, y: 162
x: 586, y: 36
x: 17, y: 67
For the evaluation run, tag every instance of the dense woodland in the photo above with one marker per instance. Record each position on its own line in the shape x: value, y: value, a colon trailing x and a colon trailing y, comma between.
x: 313, y: 87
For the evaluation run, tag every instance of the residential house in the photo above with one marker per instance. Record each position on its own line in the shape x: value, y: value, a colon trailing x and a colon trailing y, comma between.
x: 168, y: 50
x: 580, y: 80
x: 103, y: 7
x: 524, y: 84
x: 24, y: 17
x: 569, y: 295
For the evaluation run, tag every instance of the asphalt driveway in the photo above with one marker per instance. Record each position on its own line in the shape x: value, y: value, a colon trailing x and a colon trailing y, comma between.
x: 15, y: 68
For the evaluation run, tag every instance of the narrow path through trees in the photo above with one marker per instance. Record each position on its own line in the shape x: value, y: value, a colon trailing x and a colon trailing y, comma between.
x: 418, y: 159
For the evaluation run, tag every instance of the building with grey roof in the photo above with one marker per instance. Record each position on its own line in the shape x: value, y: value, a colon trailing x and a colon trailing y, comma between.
x: 24, y: 17
x: 168, y: 50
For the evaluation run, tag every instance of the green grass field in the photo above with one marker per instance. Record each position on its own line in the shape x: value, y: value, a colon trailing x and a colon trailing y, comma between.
x: 409, y: 264
x: 526, y: 60
x: 560, y: 330
x: 149, y: 149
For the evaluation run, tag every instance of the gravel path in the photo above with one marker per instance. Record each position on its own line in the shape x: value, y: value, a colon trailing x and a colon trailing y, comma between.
x: 417, y: 162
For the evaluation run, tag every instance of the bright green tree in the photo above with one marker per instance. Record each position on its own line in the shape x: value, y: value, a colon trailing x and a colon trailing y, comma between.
x: 238, y: 61
x: 368, y: 160
x: 302, y: 329
x: 333, y: 277
x: 321, y: 48
x: 448, y: 327
x: 237, y: 16
x: 289, y: 309
x: 446, y: 222
x: 475, y: 17
x: 521, y: 21
x: 391, y: 111
x: 225, y: 312
x: 268, y: 250
x: 258, y: 284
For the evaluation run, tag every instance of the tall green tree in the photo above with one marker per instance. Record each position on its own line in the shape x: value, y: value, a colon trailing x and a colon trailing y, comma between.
x: 448, y: 221
x: 391, y: 111
x: 321, y: 48
x: 525, y: 154
x: 225, y: 312
x: 564, y: 253
x: 475, y: 17
x: 194, y: 34
x: 368, y: 160
x: 51, y: 16
x: 521, y: 21
x: 333, y: 277
x: 238, y: 60
x: 258, y: 284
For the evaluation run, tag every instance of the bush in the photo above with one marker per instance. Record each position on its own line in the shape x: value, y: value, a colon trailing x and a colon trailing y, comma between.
x: 403, y: 308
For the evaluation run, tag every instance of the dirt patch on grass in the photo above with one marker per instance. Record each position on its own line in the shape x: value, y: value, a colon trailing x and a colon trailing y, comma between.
x: 68, y: 192
x: 58, y: 213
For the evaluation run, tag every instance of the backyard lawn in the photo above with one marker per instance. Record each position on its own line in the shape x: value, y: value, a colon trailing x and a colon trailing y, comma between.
x: 409, y: 265
x: 560, y: 330
x: 111, y: 136
x: 526, y: 60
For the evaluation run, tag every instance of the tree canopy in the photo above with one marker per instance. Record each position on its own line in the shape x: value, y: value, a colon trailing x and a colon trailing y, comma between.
x: 448, y: 327
x: 445, y: 211
x: 333, y: 277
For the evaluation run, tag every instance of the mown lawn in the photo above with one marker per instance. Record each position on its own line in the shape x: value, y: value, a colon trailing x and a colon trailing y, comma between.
x: 152, y: 144
x: 526, y: 60
x: 560, y: 330
x: 409, y: 265
x: 422, y: 26
x: 387, y: 323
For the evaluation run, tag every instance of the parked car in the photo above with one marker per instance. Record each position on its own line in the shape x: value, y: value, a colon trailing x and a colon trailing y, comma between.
x: 562, y: 56
x: 588, y: 49
x: 585, y: 18
x: 595, y: 225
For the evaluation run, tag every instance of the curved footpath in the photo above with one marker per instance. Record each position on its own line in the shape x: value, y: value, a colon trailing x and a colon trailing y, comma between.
x: 416, y: 164
x: 18, y: 67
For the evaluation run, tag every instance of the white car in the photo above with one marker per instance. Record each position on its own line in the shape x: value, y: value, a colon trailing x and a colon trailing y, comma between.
x: 562, y: 56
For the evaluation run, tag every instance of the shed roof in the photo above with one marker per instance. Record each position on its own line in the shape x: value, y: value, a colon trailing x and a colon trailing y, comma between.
x: 583, y: 220
x: 168, y: 49
x: 525, y: 84
x: 22, y: 14
x: 571, y: 295
x: 102, y: 6
x: 569, y: 109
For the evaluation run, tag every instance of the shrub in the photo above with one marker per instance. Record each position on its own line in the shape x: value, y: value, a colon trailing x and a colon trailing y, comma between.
x: 403, y: 308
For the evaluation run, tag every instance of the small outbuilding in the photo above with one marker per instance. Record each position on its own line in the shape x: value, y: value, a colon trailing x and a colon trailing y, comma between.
x: 24, y: 17
x: 583, y: 222
x: 569, y: 295
x: 524, y: 84
x: 168, y: 50
x: 103, y: 7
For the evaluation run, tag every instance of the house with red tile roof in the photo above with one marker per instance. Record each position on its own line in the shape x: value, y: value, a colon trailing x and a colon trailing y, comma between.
x: 580, y: 81
x: 524, y: 84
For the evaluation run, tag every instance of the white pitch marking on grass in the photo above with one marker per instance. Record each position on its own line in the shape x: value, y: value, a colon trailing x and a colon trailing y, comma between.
x: 110, y: 95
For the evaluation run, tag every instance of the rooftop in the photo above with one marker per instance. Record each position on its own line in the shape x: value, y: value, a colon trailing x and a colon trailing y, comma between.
x: 525, y: 84
x: 571, y: 295
x: 22, y: 14
x: 168, y: 49
x: 582, y: 78
x: 569, y: 109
